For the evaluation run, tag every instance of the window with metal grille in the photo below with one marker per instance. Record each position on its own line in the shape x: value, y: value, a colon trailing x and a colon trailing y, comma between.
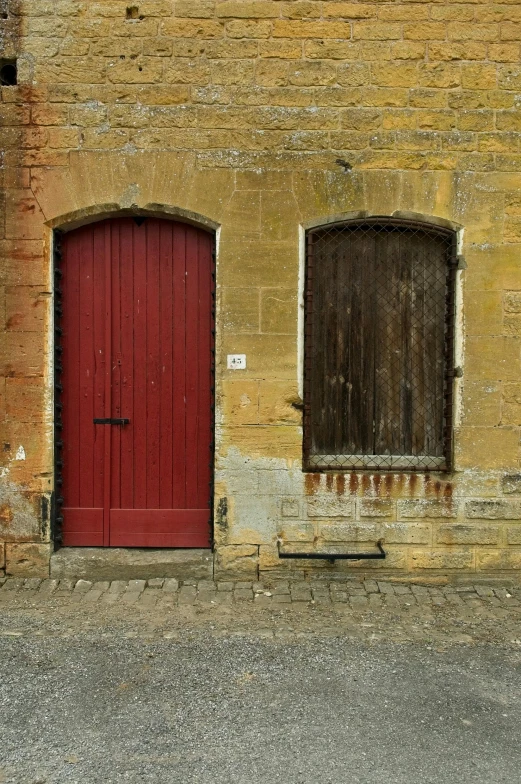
x: 379, y: 323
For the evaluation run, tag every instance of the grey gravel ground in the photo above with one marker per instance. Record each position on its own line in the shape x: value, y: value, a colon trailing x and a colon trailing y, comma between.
x: 229, y: 694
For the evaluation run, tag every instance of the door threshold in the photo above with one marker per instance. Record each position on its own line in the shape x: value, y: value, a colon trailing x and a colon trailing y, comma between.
x: 121, y: 563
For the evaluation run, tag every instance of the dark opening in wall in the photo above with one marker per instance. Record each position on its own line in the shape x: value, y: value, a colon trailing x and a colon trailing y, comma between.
x: 8, y: 73
x: 133, y: 12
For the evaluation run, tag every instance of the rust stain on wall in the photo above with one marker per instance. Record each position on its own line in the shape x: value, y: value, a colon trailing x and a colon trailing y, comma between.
x: 312, y: 483
x: 6, y: 515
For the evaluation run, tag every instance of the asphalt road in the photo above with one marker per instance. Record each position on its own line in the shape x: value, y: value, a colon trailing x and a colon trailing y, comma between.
x: 103, y: 707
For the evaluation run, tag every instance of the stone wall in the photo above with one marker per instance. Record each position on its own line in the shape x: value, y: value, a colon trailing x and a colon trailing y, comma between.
x: 233, y: 114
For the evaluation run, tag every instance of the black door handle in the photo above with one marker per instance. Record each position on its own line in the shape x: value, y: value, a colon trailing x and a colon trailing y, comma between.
x: 111, y: 421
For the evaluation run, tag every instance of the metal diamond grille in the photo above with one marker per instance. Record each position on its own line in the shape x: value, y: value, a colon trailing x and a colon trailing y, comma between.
x: 379, y: 346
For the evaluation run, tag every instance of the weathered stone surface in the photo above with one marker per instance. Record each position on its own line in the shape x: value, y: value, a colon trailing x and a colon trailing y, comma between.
x: 493, y: 510
x: 96, y: 563
x: 511, y: 484
x: 236, y: 561
x: 419, y: 509
x: 377, y: 507
x: 27, y: 560
x: 20, y: 514
x: 406, y: 533
x: 326, y: 507
x: 467, y: 534
x: 362, y: 532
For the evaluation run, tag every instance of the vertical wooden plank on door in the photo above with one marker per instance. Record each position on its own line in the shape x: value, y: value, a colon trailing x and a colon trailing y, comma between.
x: 193, y: 317
x: 153, y: 358
x: 89, y: 355
x: 179, y: 372
x: 166, y: 363
x: 105, y: 233
x: 83, y: 395
x: 115, y: 354
x: 127, y: 298
x: 101, y: 351
x: 204, y: 412
x: 140, y: 410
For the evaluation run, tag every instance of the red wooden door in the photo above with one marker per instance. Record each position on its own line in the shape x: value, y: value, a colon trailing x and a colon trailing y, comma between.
x: 137, y: 346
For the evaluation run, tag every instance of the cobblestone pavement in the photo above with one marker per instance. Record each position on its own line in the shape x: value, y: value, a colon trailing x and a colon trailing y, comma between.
x: 370, y: 609
x: 227, y: 683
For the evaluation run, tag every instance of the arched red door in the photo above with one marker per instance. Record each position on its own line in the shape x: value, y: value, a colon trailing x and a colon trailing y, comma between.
x: 137, y: 384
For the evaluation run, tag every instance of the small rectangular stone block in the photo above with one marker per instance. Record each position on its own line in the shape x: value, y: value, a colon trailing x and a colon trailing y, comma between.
x: 467, y: 534
x: 32, y: 583
x: 442, y: 559
x: 349, y: 532
x: 170, y: 585
x: 206, y: 585
x: 290, y: 507
x: 66, y: 585
x: 511, y: 484
x: 386, y: 588
x: 428, y: 508
x: 280, y: 590
x: 489, y: 509
x: 296, y: 532
x: 82, y: 586
x: 136, y: 586
x: 156, y: 582
x: 329, y: 507
x: 484, y: 591
x: 358, y: 602
x: 406, y: 533
x: 118, y: 586
x: 377, y: 507
x: 243, y: 594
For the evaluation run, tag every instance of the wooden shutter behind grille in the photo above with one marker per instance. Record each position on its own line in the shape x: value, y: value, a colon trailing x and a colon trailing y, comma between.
x: 378, y: 346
